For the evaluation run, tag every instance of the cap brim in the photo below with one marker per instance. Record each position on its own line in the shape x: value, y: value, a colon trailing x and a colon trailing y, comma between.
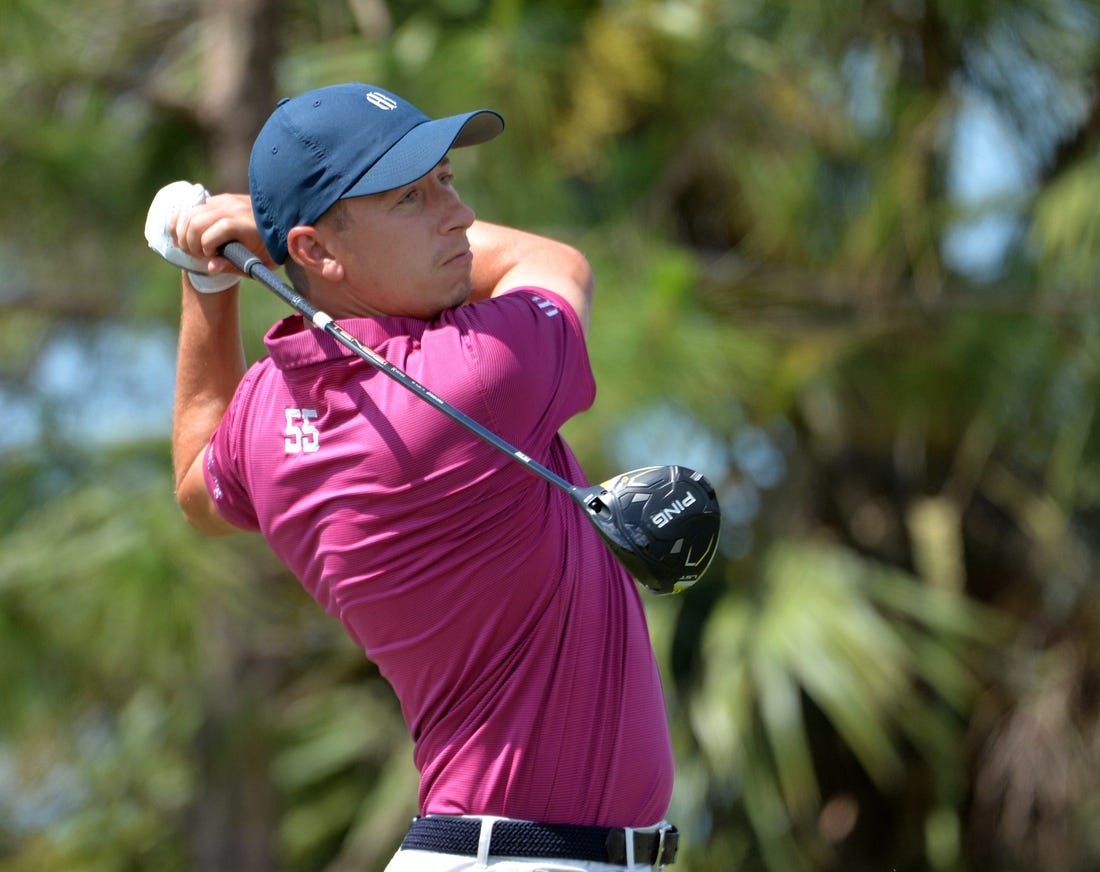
x: 422, y: 148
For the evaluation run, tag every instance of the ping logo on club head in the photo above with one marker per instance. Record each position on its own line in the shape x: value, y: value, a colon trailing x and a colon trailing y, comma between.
x: 381, y: 100
x: 673, y: 509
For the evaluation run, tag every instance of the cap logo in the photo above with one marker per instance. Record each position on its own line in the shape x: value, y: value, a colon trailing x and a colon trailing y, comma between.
x: 381, y: 100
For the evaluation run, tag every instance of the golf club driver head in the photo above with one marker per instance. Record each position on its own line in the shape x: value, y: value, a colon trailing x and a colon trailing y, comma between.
x: 661, y: 522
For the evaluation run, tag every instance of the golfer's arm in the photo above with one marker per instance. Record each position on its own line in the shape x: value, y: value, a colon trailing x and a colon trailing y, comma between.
x: 209, y: 367
x: 506, y: 258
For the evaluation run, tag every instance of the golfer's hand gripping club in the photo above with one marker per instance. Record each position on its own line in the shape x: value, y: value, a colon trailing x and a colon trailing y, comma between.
x: 171, y: 201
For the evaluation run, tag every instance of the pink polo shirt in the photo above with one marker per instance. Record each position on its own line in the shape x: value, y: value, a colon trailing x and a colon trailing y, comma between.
x: 516, y: 644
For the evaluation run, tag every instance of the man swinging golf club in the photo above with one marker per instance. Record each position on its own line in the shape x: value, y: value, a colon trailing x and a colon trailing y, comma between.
x: 514, y: 639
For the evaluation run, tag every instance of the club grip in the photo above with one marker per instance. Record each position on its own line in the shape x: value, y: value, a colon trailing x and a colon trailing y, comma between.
x: 254, y: 268
x: 241, y: 257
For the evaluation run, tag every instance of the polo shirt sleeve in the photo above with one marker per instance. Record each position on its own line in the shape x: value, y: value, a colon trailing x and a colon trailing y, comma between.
x: 223, y: 471
x: 529, y: 351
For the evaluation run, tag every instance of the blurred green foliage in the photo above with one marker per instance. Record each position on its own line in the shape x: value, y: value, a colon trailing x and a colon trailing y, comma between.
x: 894, y: 664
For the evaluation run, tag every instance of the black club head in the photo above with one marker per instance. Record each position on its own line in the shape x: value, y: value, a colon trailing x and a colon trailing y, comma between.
x: 662, y: 523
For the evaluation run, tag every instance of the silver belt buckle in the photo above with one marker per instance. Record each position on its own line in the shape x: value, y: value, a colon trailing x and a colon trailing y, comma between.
x: 660, y: 858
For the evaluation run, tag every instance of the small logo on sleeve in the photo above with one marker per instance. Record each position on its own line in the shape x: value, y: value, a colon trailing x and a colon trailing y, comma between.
x: 212, y: 468
x: 548, y: 308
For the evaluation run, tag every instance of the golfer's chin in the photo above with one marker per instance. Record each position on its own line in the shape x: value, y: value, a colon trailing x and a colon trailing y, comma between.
x: 460, y: 296
x: 456, y: 287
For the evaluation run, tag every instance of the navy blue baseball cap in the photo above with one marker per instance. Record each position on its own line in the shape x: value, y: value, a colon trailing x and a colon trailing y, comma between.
x: 346, y: 141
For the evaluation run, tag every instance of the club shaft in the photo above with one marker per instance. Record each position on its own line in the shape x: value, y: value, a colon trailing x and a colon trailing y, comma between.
x: 254, y: 268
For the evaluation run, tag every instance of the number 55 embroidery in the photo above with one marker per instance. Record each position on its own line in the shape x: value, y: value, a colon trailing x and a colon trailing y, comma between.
x: 301, y: 435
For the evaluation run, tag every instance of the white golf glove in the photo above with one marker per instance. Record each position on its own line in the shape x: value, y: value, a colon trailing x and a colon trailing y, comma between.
x: 176, y: 198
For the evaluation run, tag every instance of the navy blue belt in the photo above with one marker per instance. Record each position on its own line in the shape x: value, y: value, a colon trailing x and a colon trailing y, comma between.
x: 511, y: 838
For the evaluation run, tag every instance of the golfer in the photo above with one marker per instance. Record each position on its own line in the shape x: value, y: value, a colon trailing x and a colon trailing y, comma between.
x: 515, y: 642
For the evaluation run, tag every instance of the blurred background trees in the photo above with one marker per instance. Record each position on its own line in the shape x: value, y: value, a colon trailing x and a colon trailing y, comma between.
x: 847, y: 257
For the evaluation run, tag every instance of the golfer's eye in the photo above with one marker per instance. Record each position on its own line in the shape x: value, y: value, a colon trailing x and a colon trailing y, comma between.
x: 444, y: 172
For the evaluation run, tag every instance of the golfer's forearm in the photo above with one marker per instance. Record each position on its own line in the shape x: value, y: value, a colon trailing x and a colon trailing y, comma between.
x: 505, y: 257
x: 209, y: 367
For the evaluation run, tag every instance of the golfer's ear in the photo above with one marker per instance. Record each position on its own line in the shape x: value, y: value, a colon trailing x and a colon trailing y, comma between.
x: 308, y: 248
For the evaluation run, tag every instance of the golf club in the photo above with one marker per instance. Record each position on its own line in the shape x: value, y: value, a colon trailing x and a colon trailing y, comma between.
x: 660, y: 522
